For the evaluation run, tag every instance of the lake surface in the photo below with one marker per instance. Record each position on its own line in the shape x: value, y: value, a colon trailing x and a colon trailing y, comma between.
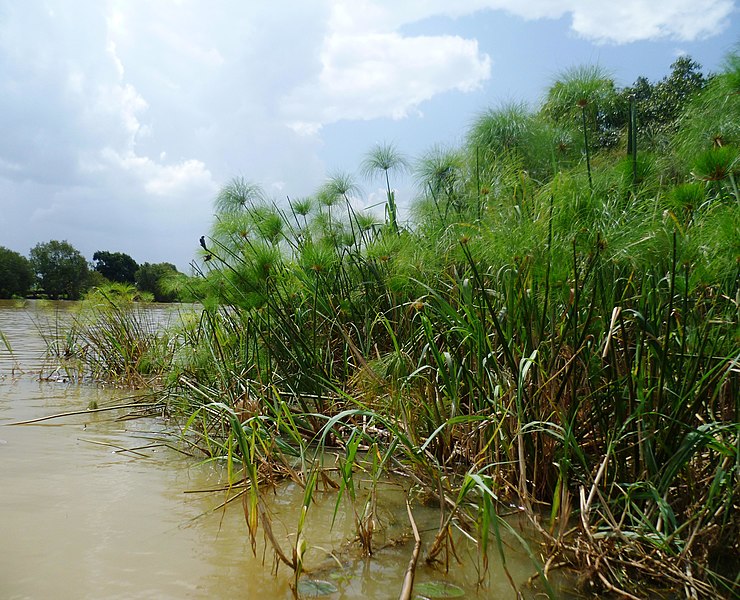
x: 96, y: 506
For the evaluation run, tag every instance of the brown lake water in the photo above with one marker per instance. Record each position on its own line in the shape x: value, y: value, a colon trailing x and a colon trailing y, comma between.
x: 82, y: 519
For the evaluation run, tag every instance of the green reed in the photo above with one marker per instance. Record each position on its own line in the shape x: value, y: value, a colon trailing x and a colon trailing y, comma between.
x: 568, y: 347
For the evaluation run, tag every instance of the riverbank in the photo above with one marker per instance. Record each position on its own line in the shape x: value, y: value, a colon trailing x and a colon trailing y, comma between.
x: 555, y: 328
x: 103, y: 502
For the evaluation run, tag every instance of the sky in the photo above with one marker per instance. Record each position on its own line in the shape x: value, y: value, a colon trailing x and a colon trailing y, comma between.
x: 122, y: 119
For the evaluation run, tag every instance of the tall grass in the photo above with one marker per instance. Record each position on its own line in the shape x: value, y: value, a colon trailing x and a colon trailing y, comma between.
x: 113, y: 337
x: 565, y: 343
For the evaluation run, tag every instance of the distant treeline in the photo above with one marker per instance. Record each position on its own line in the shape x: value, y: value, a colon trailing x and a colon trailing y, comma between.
x: 56, y: 270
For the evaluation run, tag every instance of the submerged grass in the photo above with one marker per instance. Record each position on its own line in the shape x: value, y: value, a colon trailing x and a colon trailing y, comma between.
x: 566, y: 347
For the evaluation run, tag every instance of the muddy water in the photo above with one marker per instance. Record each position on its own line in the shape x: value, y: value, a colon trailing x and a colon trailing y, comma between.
x: 93, y: 506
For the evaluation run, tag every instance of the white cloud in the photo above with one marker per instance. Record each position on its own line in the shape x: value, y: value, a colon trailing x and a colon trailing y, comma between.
x: 353, y: 16
x: 7, y: 165
x: 165, y: 180
x: 617, y: 22
x: 634, y: 20
x: 383, y: 75
x: 123, y: 103
x: 172, y: 180
x: 186, y: 48
x: 110, y: 48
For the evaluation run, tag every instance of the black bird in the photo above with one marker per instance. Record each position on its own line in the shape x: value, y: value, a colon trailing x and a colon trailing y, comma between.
x: 203, y: 242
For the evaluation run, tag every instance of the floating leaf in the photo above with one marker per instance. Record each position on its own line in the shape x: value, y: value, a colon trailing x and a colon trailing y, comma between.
x: 313, y: 588
x: 439, y: 589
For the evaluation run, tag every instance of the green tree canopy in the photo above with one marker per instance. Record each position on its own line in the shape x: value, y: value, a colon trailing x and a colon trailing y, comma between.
x: 16, y: 275
x: 152, y: 278
x: 116, y: 266
x: 659, y: 105
x: 60, y: 269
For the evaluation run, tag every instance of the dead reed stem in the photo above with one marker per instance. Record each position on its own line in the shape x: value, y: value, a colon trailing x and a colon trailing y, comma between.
x: 408, y: 578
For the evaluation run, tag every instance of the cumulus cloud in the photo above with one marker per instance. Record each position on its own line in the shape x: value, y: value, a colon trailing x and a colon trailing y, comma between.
x: 369, y: 70
x: 635, y: 20
x: 383, y: 75
x: 163, y: 179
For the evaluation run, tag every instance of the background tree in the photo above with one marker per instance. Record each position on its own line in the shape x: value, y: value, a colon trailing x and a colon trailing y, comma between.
x: 660, y: 105
x: 95, y: 279
x: 153, y: 278
x: 60, y: 269
x: 116, y: 266
x: 16, y: 275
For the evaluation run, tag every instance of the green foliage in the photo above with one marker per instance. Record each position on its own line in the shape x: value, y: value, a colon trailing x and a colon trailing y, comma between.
x: 717, y: 164
x: 115, y: 266
x: 238, y: 194
x: 541, y: 334
x: 154, y: 279
x: 586, y: 91
x: 115, y: 338
x: 709, y: 119
x: 513, y: 131
x: 61, y: 271
x: 441, y: 172
x: 16, y: 275
x: 506, y: 129
x: 382, y: 161
x: 439, y: 589
x: 661, y: 104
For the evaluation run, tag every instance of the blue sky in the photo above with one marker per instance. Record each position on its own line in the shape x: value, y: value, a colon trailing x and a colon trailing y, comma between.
x: 122, y: 118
